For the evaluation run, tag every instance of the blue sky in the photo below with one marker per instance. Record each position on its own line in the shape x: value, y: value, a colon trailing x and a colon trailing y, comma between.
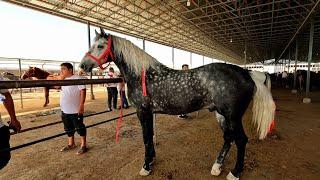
x: 27, y: 33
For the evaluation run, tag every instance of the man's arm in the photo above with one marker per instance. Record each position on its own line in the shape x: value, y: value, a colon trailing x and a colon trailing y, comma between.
x: 8, y: 104
x: 82, y: 100
x: 56, y: 77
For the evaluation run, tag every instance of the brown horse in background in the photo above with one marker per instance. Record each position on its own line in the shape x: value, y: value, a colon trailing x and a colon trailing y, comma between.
x: 35, y: 73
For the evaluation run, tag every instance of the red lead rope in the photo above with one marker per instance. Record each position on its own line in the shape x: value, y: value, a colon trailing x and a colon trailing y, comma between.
x: 143, y: 79
x: 144, y: 93
x: 273, y: 124
x: 120, y: 119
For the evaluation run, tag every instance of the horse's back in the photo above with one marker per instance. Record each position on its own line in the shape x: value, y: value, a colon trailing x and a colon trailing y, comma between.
x: 216, y: 83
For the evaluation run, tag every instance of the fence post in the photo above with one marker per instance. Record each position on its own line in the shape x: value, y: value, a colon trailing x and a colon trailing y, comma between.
x: 20, y: 74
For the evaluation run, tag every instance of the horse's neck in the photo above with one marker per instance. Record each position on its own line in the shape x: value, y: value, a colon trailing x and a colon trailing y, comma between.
x: 42, y: 75
x: 133, y: 59
x: 132, y: 75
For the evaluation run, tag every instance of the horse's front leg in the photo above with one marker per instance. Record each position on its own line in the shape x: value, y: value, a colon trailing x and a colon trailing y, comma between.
x: 46, y: 93
x: 146, y: 119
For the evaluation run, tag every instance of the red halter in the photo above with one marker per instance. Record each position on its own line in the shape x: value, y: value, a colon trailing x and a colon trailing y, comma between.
x: 104, y: 56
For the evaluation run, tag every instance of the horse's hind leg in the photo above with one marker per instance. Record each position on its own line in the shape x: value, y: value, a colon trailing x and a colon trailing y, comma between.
x: 228, y: 138
x: 241, y: 141
x: 146, y: 119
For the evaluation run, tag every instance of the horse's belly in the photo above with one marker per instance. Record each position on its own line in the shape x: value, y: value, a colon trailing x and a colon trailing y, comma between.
x: 179, y: 106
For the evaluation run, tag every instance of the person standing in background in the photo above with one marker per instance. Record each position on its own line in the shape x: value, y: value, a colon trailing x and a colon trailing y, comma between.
x: 122, y: 91
x: 6, y: 98
x: 112, y: 90
x: 185, y: 68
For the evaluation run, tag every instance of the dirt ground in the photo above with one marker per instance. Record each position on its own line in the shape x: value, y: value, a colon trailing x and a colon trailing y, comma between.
x: 186, y: 149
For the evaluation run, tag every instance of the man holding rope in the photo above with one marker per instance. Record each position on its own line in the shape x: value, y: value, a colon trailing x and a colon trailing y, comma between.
x: 6, y: 98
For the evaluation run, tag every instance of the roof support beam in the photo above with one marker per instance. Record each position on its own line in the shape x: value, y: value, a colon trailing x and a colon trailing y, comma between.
x: 302, y: 24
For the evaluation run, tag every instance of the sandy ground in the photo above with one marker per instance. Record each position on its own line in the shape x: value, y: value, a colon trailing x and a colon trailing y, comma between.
x: 186, y: 149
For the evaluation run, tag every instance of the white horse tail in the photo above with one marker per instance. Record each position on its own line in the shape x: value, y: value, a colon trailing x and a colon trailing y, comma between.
x: 263, y: 105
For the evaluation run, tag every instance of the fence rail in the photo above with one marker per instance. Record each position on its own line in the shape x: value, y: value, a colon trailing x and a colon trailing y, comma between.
x: 49, y: 83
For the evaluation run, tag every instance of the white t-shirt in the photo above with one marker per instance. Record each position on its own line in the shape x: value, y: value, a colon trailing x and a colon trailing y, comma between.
x: 70, y: 96
x: 111, y: 75
x: 2, y: 91
x: 284, y: 74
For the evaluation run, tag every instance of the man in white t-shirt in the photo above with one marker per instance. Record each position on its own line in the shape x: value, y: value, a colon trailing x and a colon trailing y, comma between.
x: 72, y: 100
x: 6, y: 98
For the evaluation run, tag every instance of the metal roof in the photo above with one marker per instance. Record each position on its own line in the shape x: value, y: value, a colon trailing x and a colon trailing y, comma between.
x: 218, y: 29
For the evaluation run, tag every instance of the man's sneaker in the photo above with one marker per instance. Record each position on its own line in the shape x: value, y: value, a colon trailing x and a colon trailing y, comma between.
x: 68, y: 148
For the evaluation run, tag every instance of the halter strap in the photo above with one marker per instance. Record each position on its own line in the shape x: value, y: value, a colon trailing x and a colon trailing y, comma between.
x: 104, y: 56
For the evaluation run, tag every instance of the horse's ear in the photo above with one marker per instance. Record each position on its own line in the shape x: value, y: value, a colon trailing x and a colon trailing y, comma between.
x: 102, y: 32
x: 97, y: 34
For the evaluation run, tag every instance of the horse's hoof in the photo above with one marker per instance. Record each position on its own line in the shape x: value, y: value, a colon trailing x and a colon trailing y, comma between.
x: 216, y: 169
x: 231, y: 177
x: 144, y: 172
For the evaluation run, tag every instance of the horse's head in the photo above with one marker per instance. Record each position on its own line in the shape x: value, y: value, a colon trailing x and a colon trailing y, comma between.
x: 29, y: 73
x: 35, y: 72
x: 9, y: 76
x: 99, y: 53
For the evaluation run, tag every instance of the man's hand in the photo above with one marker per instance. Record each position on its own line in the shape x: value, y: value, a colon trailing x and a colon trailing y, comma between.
x: 81, y: 109
x: 15, y: 124
x: 82, y: 100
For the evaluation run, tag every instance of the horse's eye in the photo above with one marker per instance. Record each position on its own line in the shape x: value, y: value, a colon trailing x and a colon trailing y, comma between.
x: 100, y: 46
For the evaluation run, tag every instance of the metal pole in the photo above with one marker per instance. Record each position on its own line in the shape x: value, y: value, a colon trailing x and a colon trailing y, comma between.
x: 289, y: 61
x: 20, y: 74
x: 310, y: 57
x: 74, y: 66
x: 190, y: 59
x: 172, y: 57
x: 275, y: 66
x: 245, y: 55
x: 295, y: 69
x: 89, y: 43
x: 44, y: 83
x: 202, y: 60
x: 144, y: 44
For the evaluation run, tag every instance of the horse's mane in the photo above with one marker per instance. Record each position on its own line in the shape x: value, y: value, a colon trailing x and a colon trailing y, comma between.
x: 133, y: 55
x: 43, y: 71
